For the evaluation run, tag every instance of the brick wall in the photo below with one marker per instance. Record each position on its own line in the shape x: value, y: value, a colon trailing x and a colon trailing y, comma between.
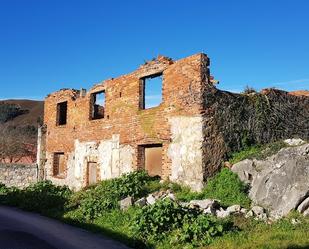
x: 182, y: 92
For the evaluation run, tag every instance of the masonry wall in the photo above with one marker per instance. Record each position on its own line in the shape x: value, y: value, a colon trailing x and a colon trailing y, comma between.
x: 18, y: 175
x: 114, y: 141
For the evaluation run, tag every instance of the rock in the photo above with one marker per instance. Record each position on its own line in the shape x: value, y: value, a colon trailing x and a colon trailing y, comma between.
x: 206, y: 203
x: 280, y: 182
x: 261, y: 217
x: 151, y: 199
x: 221, y: 213
x: 295, y: 221
x: 234, y: 209
x: 126, y: 203
x: 170, y: 196
x: 184, y: 204
x: 208, y: 206
x: 249, y: 214
x: 306, y: 212
x: 257, y: 210
x: 243, y: 210
x: 303, y: 206
x: 141, y: 202
x: 228, y: 164
x: 294, y: 141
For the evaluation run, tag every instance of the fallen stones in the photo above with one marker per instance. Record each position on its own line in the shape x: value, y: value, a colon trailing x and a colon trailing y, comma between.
x: 126, y: 203
x: 151, y: 199
x: 206, y: 206
x: 141, y: 202
x: 234, y: 209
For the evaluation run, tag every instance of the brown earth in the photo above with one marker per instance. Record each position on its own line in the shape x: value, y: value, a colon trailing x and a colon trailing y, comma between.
x: 35, y: 110
x: 300, y: 93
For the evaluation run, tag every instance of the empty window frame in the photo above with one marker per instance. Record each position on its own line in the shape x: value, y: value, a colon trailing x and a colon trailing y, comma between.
x: 150, y: 158
x: 151, y: 91
x: 62, y: 109
x: 97, y: 105
x: 59, y: 167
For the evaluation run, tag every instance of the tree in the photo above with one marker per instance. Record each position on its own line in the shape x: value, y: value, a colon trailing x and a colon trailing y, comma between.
x: 17, y: 143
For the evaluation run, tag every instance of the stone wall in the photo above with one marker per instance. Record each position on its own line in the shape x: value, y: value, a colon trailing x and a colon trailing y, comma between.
x: 18, y: 175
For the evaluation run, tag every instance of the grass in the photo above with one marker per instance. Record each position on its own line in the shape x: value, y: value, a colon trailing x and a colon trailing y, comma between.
x: 114, y: 223
x: 257, y: 151
x: 280, y: 235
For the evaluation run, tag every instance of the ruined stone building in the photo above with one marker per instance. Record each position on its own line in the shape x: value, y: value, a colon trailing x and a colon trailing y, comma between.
x: 114, y: 127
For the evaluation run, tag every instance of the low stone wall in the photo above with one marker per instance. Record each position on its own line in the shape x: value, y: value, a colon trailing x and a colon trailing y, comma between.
x: 18, y: 175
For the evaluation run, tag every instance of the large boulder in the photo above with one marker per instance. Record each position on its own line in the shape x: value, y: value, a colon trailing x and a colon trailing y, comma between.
x: 279, y: 183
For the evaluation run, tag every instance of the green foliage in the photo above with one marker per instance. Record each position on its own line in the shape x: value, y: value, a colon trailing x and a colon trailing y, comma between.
x: 163, y: 218
x: 228, y: 188
x: 257, y: 151
x: 253, y: 234
x: 40, y: 197
x: 99, y: 199
x: 200, y: 230
x: 186, y: 194
x: 132, y: 184
x: 107, y: 193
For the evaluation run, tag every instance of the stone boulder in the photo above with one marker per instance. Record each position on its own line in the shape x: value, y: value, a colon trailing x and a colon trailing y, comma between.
x: 279, y: 183
x: 126, y: 203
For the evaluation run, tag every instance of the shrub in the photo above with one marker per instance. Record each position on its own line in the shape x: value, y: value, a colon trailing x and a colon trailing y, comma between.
x: 200, y: 230
x: 156, y: 221
x: 132, y: 184
x: 40, y: 197
x: 228, y: 188
x: 107, y: 193
x: 96, y: 200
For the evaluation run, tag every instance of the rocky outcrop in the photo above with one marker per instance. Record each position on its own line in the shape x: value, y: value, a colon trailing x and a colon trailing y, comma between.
x: 279, y: 183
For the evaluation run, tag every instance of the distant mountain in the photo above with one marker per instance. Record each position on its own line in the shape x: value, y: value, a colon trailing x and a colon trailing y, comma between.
x: 31, y: 112
x: 18, y: 130
x: 300, y: 93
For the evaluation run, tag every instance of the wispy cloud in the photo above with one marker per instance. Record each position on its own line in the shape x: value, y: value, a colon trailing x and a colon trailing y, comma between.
x: 291, y: 82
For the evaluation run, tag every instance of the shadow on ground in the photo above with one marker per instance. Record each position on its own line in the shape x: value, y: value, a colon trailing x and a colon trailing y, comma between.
x: 10, y: 239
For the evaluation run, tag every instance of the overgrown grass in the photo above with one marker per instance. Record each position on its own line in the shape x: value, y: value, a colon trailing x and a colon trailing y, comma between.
x: 228, y: 188
x: 165, y: 224
x: 259, y: 235
x: 257, y: 152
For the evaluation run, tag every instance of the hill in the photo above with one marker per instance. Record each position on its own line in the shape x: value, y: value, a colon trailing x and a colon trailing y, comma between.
x: 300, y: 93
x: 32, y: 110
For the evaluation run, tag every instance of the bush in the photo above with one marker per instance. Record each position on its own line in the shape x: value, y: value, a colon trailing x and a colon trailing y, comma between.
x: 157, y: 221
x: 200, y: 230
x: 40, y: 197
x: 228, y: 188
x: 107, y: 193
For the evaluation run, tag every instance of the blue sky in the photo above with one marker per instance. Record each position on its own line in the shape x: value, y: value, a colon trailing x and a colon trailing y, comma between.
x: 46, y: 45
